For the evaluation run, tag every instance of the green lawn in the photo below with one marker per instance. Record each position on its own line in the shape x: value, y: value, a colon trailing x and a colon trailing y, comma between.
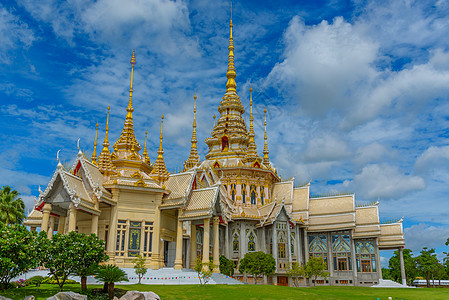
x: 248, y: 292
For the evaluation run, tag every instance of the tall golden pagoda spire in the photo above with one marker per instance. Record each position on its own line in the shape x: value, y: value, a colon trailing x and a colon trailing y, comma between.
x: 194, y: 158
x: 159, y: 171
x: 145, y: 152
x: 104, y: 161
x: 252, y: 148
x: 94, y: 154
x: 127, y: 139
x: 231, y: 74
x: 266, y: 160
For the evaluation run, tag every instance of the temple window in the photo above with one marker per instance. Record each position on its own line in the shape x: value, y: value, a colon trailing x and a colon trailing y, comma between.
x: 199, y: 242
x: 341, y: 251
x: 261, y: 195
x: 243, y: 193
x: 120, y: 243
x: 235, y: 243
x: 233, y: 192
x: 365, y: 256
x: 281, y: 248
x: 134, y: 238
x: 224, y: 143
x: 251, y: 243
x: 147, y: 239
x: 253, y: 194
x: 318, y: 247
x: 292, y: 243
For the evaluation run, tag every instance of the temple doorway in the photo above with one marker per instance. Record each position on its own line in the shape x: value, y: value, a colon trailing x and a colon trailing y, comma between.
x: 169, y: 254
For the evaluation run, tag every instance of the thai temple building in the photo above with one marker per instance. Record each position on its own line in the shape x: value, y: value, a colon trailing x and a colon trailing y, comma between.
x: 230, y: 203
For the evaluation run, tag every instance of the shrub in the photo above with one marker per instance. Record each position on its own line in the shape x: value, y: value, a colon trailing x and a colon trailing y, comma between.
x: 226, y: 266
x: 35, y: 280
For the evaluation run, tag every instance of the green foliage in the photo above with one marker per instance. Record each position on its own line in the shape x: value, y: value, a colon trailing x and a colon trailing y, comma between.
x: 204, y: 270
x: 226, y: 266
x: 315, y: 267
x: 111, y: 274
x: 53, y: 280
x: 386, y: 274
x: 257, y: 264
x: 19, y: 251
x: 427, y: 263
x: 35, y: 280
x: 12, y: 208
x: 411, y: 270
x: 139, y: 266
x: 295, y: 271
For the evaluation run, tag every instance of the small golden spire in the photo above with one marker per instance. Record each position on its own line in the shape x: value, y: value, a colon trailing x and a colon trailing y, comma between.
x: 145, y: 152
x: 194, y: 158
x: 104, y: 161
x: 94, y: 154
x: 159, y: 171
x: 252, y: 148
x: 266, y: 160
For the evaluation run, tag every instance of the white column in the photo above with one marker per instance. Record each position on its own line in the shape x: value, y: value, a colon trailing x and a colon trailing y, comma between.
x: 354, y: 263
x: 275, y: 247
x: 227, y: 246
x: 94, y: 225
x: 206, y: 241
x: 216, y: 261
x: 379, y: 266
x: 289, y: 241
x: 178, y: 257
x: 401, y: 260
x: 193, y: 256
x: 155, y: 247
x: 72, y: 218
x: 51, y: 228
x: 45, y: 216
x: 112, y: 240
x: 61, y: 224
x: 306, y: 247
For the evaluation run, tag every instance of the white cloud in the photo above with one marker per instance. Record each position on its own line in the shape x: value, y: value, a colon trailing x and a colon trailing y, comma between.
x: 422, y: 235
x: 371, y: 153
x: 325, y: 148
x: 384, y: 181
x: 14, y: 33
x: 433, y: 157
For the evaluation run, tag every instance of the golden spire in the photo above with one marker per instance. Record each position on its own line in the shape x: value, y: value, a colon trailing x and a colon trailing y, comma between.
x: 145, y: 152
x: 252, y: 148
x: 266, y: 160
x: 94, y: 154
x: 230, y: 74
x: 159, y: 171
x: 127, y: 139
x: 194, y: 158
x: 104, y: 161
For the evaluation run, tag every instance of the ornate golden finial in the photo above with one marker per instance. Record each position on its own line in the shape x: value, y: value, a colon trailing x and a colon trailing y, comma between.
x: 159, y: 171
x: 266, y: 160
x: 230, y: 74
x: 145, y: 152
x: 214, y: 119
x: 127, y: 139
x: 104, y: 161
x: 94, y: 154
x: 194, y: 158
x: 252, y: 148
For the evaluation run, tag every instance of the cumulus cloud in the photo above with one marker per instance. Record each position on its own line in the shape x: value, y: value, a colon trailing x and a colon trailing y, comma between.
x: 423, y: 235
x: 385, y: 181
x: 325, y: 148
x: 371, y: 153
x: 433, y: 157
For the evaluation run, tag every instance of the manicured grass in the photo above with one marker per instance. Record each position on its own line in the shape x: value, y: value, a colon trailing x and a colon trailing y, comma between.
x: 248, y: 292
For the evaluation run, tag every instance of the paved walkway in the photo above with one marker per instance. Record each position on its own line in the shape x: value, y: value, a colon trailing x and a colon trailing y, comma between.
x: 163, y: 276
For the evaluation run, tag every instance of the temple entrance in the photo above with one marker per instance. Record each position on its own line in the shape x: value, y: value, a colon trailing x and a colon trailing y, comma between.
x: 283, y: 280
x: 169, y: 254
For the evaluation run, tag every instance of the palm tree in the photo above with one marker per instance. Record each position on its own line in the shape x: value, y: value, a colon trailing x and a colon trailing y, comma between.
x: 12, y: 208
x: 110, y: 274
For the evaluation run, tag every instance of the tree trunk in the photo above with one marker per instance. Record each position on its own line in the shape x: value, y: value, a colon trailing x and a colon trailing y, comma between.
x: 84, y: 283
x: 105, y: 287
x: 314, y: 281
x: 111, y: 290
x: 428, y: 279
x: 433, y: 282
x: 140, y: 277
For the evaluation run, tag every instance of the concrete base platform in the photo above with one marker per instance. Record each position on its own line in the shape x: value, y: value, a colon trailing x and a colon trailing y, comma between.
x: 383, y: 283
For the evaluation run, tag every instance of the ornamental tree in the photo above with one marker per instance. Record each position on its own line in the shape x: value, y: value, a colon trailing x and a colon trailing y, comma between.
x: 139, y: 266
x: 19, y: 251
x: 204, y: 270
x: 315, y: 267
x: 226, y: 266
x: 295, y: 271
x: 90, y: 253
x: 409, y: 266
x: 72, y: 253
x: 111, y: 274
x: 257, y: 264
x: 426, y: 263
x: 12, y: 208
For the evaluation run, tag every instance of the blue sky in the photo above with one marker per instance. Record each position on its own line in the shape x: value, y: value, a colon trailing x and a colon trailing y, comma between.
x: 357, y: 91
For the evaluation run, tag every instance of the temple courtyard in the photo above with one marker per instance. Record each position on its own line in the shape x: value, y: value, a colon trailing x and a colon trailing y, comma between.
x: 248, y: 292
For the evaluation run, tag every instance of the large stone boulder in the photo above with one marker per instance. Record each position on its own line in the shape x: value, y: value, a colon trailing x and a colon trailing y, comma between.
x: 4, y: 298
x: 135, y: 295
x: 29, y: 298
x: 68, y: 296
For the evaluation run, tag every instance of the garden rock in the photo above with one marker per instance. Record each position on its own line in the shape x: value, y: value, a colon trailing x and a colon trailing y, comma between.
x: 29, y: 298
x: 135, y: 295
x: 4, y: 298
x: 68, y: 296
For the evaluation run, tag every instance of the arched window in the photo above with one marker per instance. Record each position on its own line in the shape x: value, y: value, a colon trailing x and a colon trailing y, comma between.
x: 253, y: 194
x: 233, y: 191
x: 224, y: 143
x: 341, y: 250
x: 366, y: 256
x: 243, y: 193
x: 261, y: 195
x: 251, y: 243
x: 235, y: 243
x: 318, y: 247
